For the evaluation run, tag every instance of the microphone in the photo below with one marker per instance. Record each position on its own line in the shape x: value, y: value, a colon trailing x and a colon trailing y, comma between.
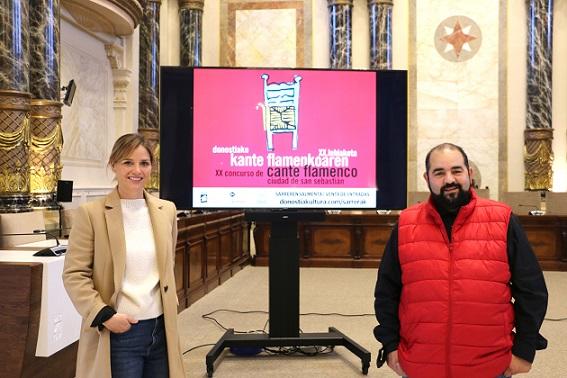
x: 535, y: 210
x: 56, y: 250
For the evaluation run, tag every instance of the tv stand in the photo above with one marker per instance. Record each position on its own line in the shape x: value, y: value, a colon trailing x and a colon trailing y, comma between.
x: 284, y: 297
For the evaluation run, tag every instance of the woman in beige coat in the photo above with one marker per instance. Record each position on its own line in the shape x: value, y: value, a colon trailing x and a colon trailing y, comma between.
x: 119, y: 274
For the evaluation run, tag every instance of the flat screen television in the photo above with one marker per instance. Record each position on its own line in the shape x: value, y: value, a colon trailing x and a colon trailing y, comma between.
x: 254, y: 138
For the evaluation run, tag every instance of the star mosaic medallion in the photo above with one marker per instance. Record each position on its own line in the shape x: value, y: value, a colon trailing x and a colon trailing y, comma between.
x: 457, y: 38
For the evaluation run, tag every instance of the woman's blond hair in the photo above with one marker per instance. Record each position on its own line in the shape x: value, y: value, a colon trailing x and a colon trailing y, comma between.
x: 125, y: 145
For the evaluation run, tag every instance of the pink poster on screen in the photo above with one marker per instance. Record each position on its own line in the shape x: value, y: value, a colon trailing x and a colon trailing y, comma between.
x: 262, y: 128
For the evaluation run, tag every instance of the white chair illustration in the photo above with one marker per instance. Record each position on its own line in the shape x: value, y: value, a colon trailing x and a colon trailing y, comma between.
x: 280, y: 109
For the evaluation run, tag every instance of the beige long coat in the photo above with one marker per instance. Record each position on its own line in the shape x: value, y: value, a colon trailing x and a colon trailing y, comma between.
x: 94, y: 269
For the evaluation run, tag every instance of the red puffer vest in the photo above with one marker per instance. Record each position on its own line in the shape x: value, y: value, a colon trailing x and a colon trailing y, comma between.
x: 456, y: 318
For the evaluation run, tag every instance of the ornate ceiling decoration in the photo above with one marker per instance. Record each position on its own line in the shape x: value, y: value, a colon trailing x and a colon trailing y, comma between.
x: 115, y: 17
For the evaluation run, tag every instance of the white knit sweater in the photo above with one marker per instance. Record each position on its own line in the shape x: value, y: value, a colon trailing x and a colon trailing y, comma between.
x: 139, y: 296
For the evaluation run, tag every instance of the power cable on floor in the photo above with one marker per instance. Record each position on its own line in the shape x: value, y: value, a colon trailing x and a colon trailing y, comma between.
x: 305, y: 350
x: 290, y: 350
x: 197, y: 347
x: 209, y: 317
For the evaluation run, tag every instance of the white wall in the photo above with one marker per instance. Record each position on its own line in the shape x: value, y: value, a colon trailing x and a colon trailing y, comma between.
x: 169, y: 33
x: 88, y: 125
x: 105, y: 104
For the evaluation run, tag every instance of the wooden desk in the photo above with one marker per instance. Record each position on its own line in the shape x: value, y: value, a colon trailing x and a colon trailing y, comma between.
x: 38, y: 333
x: 356, y: 239
x: 40, y: 244
x: 548, y: 237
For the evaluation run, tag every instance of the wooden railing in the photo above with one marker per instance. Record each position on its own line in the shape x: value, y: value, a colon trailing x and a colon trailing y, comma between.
x: 357, y: 239
x: 211, y: 248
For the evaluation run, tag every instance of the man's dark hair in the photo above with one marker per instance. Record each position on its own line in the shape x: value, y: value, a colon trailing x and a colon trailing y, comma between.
x: 446, y: 146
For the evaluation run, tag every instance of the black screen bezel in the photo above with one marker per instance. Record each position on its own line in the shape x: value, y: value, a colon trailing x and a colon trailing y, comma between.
x: 176, y: 137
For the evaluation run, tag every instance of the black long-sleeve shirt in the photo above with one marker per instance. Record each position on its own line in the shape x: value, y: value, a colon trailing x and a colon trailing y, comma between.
x: 527, y: 285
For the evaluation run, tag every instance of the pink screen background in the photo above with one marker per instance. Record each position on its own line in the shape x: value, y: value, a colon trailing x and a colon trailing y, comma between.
x: 337, y: 110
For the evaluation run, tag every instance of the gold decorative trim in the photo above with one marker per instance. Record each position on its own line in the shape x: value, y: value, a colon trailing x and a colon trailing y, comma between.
x: 191, y: 4
x: 45, y: 145
x: 155, y: 175
x: 45, y: 109
x: 385, y: 2
x: 45, y: 102
x: 14, y: 100
x: 152, y: 136
x: 331, y: 3
x: 14, y: 181
x: 10, y: 140
x: 44, y: 181
x: 52, y: 140
x: 14, y: 140
x: 538, y: 159
x: 14, y: 119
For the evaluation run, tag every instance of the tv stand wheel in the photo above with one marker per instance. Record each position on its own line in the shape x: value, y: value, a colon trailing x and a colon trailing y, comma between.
x: 365, y: 366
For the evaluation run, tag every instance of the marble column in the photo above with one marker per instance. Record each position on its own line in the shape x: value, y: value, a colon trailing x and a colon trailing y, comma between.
x: 340, y: 23
x: 191, y: 32
x: 44, y: 49
x: 46, y: 141
x: 148, y: 124
x: 380, y: 14
x: 538, y: 136
x: 14, y: 106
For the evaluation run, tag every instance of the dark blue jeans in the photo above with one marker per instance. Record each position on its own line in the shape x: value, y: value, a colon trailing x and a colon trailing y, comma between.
x: 140, y: 352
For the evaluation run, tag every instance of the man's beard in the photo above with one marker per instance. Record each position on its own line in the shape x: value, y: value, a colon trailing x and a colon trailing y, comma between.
x: 450, y: 204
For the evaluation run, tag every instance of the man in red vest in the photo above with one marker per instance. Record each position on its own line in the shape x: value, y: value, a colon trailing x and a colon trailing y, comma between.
x: 444, y: 292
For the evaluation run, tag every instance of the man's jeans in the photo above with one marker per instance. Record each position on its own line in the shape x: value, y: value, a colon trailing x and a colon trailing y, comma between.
x: 141, y: 352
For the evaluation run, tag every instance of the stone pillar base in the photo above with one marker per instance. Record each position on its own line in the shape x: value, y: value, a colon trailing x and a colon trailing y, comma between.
x: 15, y: 203
x: 44, y: 201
